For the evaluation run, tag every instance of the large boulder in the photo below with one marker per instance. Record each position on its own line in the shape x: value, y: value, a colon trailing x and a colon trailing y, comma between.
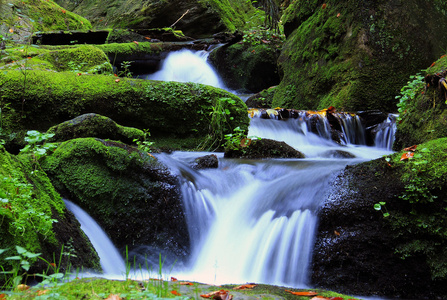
x: 356, y: 55
x: 382, y: 229
x: 134, y: 198
x: 37, y: 100
x: 195, y: 18
x: 33, y: 216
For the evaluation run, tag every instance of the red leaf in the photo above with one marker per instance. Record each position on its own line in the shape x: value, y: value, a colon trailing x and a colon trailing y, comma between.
x: 323, y: 6
x: 176, y: 293
x: 245, y: 287
x: 136, y: 42
x: 412, y: 148
x: 305, y: 293
x: 407, y: 155
x: 186, y: 283
x: 173, y: 279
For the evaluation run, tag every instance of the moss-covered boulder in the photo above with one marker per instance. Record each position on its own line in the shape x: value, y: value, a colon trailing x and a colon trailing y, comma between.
x: 356, y: 55
x: 263, y: 148
x: 195, y: 18
x: 20, y: 19
x: 94, y: 125
x: 134, y: 198
x: 383, y: 227
x: 33, y: 216
x: 38, y: 100
x: 423, y: 108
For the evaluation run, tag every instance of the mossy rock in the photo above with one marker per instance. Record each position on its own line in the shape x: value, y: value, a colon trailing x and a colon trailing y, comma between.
x: 167, y: 109
x: 248, y: 68
x: 424, y: 116
x: 133, y: 197
x: 356, y: 55
x: 197, y: 18
x: 265, y: 148
x: 263, y: 99
x: 34, y: 217
x: 94, y: 125
x: 383, y: 228
x: 28, y: 17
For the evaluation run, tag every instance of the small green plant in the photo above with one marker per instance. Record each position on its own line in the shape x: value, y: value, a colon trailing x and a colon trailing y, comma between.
x: 261, y: 35
x: 238, y: 140
x: 409, y: 92
x: 75, y: 67
x: 381, y: 207
x: 37, y: 144
x: 144, y: 145
x: 20, y: 263
x: 125, y: 69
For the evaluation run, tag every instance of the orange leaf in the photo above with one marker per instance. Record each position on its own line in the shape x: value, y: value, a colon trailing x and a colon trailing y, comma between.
x: 186, y: 283
x: 176, y: 293
x: 11, y: 30
x: 338, y: 15
x: 305, y: 293
x: 41, y: 292
x: 245, y: 287
x: 407, y: 155
x: 79, y: 74
x: 22, y: 287
x: 412, y: 148
x: 218, y: 295
x: 245, y: 142
x: 136, y: 42
x: 2, y: 296
x: 113, y: 297
x: 173, y: 279
x: 323, y: 6
x: 147, y: 38
x: 117, y: 80
x: 336, y: 233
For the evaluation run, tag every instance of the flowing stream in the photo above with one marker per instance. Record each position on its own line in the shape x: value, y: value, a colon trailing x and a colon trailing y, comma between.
x: 256, y: 220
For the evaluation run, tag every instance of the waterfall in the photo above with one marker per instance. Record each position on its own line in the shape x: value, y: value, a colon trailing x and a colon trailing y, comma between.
x: 111, y: 261
x: 385, y: 133
x: 187, y: 66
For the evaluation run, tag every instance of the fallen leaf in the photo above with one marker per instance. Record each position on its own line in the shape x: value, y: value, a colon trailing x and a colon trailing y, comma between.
x: 2, y: 296
x: 412, y: 148
x: 117, y: 80
x: 323, y: 6
x: 218, y: 295
x: 245, y: 142
x: 336, y: 233
x: 41, y: 292
x: 175, y: 293
x: 305, y: 293
x: 245, y: 287
x: 336, y: 298
x: 136, y: 42
x: 186, y: 283
x: 147, y: 38
x: 407, y: 155
x: 338, y: 15
x: 172, y: 278
x: 113, y: 297
x: 319, y: 298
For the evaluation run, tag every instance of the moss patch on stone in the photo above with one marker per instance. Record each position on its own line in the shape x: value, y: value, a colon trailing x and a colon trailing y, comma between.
x: 354, y: 55
x: 164, y: 108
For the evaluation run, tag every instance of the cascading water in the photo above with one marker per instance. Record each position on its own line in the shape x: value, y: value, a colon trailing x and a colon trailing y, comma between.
x: 187, y: 66
x: 255, y: 220
x: 111, y: 261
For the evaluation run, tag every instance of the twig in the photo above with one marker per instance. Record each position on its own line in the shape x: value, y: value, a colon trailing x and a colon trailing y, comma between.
x: 179, y: 18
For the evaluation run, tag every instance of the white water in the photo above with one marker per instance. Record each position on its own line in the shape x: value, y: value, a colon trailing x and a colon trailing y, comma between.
x: 187, y: 66
x: 111, y: 261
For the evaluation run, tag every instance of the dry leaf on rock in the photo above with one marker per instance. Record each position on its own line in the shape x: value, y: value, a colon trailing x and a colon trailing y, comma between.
x: 113, y: 297
x: 245, y: 287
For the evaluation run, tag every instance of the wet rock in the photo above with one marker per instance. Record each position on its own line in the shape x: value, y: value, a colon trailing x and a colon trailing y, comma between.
x: 265, y: 148
x: 338, y: 154
x: 206, y: 162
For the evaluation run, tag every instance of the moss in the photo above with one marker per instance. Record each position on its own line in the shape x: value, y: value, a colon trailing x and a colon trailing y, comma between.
x: 422, y: 227
x: 353, y: 55
x: 80, y: 59
x: 121, y: 188
x: 93, y: 125
x: 164, y: 108
x: 425, y: 115
x: 27, y: 17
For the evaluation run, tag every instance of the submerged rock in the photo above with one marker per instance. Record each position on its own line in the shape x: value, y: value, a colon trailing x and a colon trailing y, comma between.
x: 205, y: 162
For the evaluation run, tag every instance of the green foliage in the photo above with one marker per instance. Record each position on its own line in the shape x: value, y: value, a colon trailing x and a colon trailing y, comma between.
x: 260, y: 35
x: 20, y: 264
x: 238, y: 140
x: 144, y: 145
x: 381, y: 207
x: 409, y: 92
x: 37, y: 145
x: 125, y: 72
